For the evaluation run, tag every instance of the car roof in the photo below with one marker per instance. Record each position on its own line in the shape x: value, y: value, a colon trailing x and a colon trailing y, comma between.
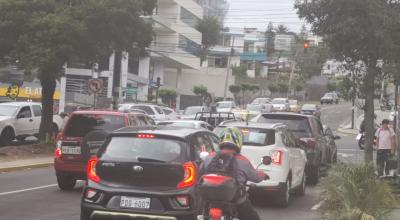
x: 183, y: 121
x: 20, y: 103
x: 288, y: 114
x: 104, y: 112
x: 280, y: 99
x: 253, y: 125
x: 180, y: 132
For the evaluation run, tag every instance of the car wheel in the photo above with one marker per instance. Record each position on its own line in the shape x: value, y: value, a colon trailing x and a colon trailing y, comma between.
x: 361, y: 143
x: 313, y: 175
x: 283, y: 196
x: 85, y: 214
x: 65, y: 182
x: 301, y: 190
x: 7, y: 136
x: 21, y: 139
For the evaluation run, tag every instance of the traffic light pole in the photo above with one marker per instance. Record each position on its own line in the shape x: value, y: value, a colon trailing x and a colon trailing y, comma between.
x: 292, y: 73
x: 228, y: 68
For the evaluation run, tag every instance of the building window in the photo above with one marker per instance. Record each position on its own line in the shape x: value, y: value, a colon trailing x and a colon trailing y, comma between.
x: 133, y: 65
x: 221, y: 62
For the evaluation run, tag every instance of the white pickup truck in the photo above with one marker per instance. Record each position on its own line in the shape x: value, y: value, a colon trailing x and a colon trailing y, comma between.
x: 19, y: 120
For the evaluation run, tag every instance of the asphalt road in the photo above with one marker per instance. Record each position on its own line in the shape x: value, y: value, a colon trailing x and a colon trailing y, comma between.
x: 33, y: 194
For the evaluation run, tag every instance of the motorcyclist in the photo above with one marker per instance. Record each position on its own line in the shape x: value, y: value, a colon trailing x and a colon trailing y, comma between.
x: 231, y: 143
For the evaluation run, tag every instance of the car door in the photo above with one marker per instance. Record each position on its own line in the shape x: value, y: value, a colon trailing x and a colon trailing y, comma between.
x: 37, y: 117
x: 24, y: 121
x: 294, y: 155
x: 321, y: 140
x: 300, y: 158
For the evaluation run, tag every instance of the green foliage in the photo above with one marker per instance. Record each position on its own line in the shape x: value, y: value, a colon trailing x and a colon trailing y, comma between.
x: 310, y: 63
x: 332, y: 85
x: 210, y: 29
x: 282, y: 29
x: 167, y: 95
x: 270, y: 37
x: 234, y: 89
x: 200, y: 90
x: 354, y: 193
x: 240, y: 70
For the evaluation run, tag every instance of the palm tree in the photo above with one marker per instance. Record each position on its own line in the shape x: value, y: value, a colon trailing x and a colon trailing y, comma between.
x: 235, y: 89
x: 282, y: 29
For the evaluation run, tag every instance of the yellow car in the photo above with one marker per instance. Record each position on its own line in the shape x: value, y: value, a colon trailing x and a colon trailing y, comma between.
x: 294, y: 106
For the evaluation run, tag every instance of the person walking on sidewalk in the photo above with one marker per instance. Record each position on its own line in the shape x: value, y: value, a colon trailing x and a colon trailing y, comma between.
x: 385, y: 142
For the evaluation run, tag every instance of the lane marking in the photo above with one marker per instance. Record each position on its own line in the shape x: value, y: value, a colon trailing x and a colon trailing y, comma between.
x: 317, y: 206
x: 27, y: 190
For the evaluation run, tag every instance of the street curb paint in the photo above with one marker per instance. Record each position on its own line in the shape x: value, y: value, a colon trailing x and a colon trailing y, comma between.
x: 31, y: 166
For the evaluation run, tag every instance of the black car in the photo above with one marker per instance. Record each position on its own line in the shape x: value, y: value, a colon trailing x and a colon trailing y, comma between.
x: 146, y: 173
x: 309, y: 130
x: 311, y: 109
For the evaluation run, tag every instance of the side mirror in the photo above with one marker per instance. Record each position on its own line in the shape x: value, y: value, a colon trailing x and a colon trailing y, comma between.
x: 204, y: 155
x: 267, y: 160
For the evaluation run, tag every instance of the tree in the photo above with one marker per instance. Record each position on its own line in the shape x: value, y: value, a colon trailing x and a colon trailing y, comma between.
x: 168, y: 96
x: 43, y: 36
x: 270, y: 38
x: 282, y: 29
x: 210, y: 29
x: 354, y: 29
x: 235, y: 89
x: 201, y: 91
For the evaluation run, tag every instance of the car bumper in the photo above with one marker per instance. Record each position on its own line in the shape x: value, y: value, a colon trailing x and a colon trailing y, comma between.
x: 272, y: 187
x: 74, y: 168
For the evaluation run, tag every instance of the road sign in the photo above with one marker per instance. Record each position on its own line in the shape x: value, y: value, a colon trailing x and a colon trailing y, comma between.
x: 95, y: 86
x: 131, y: 90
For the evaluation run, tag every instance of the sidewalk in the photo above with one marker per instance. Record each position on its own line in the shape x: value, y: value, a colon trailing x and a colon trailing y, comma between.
x: 346, y: 127
x: 26, y: 163
x: 395, y: 215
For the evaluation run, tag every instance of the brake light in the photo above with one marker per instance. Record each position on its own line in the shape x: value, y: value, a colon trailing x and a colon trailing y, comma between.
x: 91, y: 172
x: 146, y: 136
x: 277, y: 157
x: 58, y: 151
x: 216, y: 179
x: 189, y: 176
x: 215, y: 213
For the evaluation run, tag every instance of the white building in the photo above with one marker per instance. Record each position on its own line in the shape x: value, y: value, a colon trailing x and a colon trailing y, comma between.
x: 284, y: 42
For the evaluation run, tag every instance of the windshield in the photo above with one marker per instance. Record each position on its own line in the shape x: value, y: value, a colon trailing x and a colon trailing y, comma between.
x: 329, y: 95
x: 224, y: 105
x: 254, y: 107
x: 145, y: 150
x: 299, y: 126
x: 178, y: 124
x: 8, y: 110
x: 279, y: 101
x: 192, y: 110
x: 293, y: 102
x: 309, y: 107
x: 81, y: 125
x: 258, y: 137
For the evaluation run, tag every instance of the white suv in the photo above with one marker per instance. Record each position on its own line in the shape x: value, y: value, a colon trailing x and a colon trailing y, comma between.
x: 154, y: 111
x: 287, y: 170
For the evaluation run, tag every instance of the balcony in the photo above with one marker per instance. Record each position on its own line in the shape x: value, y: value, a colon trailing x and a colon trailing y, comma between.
x: 191, y: 6
x: 174, y: 57
x: 171, y: 25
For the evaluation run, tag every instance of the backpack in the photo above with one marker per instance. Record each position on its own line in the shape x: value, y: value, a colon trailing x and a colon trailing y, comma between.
x: 223, y: 164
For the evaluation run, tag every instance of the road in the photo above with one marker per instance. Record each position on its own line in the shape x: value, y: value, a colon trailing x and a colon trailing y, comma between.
x: 33, y: 194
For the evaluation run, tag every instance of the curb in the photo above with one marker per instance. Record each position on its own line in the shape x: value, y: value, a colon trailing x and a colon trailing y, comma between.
x: 346, y: 131
x: 31, y: 166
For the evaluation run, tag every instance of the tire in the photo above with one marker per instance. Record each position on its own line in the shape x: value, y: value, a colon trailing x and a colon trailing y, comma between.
x: 301, y: 190
x: 65, y: 182
x: 21, y: 139
x: 283, y: 197
x: 85, y: 214
x: 361, y: 143
x: 7, y: 136
x: 313, y: 175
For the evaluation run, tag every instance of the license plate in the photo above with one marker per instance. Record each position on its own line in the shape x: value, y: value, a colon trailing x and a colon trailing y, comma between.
x: 135, y: 203
x: 71, y: 150
x: 358, y: 137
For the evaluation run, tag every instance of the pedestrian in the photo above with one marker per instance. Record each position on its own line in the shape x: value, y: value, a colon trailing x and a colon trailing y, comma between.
x: 385, y: 142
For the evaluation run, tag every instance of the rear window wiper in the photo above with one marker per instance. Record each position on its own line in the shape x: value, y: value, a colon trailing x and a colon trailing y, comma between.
x: 143, y: 159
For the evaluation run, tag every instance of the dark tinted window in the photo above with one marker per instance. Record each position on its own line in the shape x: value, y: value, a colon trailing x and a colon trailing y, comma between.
x: 317, y: 127
x: 145, y: 150
x: 201, y: 143
x: 25, y: 112
x: 299, y: 126
x: 80, y: 125
x: 37, y: 110
x: 159, y: 110
x: 144, y: 108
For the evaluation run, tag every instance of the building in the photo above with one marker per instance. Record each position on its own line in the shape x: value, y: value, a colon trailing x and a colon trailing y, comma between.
x: 334, y: 68
x: 284, y: 42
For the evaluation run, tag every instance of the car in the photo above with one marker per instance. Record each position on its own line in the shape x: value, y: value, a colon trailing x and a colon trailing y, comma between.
x: 19, y: 120
x: 309, y: 130
x: 170, y: 114
x: 311, y: 109
x: 281, y: 104
x: 190, y: 112
x: 84, y: 133
x: 225, y: 106
x: 187, y: 124
x: 154, y: 111
x: 256, y: 109
x: 261, y: 100
x: 330, y: 98
x: 147, y: 173
x: 294, y: 106
x: 287, y: 170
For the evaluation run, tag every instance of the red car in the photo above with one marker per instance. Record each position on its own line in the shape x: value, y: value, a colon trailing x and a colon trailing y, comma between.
x: 83, y: 134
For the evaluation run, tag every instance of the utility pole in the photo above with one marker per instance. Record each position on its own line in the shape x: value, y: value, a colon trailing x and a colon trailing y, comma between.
x: 353, y: 99
x: 117, y: 78
x: 228, y: 68
x: 292, y: 73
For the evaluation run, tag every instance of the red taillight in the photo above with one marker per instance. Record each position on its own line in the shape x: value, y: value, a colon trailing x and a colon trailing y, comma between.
x: 277, y: 157
x: 216, y: 179
x: 146, y: 136
x: 91, y: 171
x: 189, y: 176
x: 58, y: 153
x: 215, y: 213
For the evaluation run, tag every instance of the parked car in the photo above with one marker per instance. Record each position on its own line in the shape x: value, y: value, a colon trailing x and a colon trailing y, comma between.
x: 309, y: 130
x: 287, y: 170
x: 19, y: 120
x: 225, y: 106
x: 190, y: 112
x: 146, y: 173
x: 294, y: 106
x: 170, y: 114
x: 256, y: 109
x: 330, y: 98
x: 261, y: 101
x: 83, y: 134
x: 154, y: 111
x: 187, y: 124
x: 281, y: 104
x: 311, y: 109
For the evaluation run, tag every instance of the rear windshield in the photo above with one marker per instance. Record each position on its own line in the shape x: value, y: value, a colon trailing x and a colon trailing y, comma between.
x: 279, y: 101
x: 299, y: 126
x: 133, y: 149
x: 254, y: 136
x: 80, y: 125
x: 254, y: 107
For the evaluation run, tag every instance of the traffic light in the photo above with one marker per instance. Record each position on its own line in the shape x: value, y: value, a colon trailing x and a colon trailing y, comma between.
x: 158, y: 82
x: 306, y: 45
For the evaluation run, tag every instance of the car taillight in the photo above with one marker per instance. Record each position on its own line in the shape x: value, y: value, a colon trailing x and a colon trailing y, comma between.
x: 215, y: 213
x: 189, y: 176
x: 277, y: 157
x: 148, y: 136
x: 58, y: 151
x: 183, y: 201
x: 91, y: 171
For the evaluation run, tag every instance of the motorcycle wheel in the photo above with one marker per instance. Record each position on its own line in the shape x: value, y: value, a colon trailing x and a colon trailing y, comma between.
x: 361, y: 143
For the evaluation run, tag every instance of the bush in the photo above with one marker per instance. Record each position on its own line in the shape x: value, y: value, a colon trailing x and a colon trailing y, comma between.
x: 354, y: 193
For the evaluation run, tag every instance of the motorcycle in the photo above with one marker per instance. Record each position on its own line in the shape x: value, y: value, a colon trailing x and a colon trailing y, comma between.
x: 219, y: 192
x: 386, y: 106
x: 361, y: 140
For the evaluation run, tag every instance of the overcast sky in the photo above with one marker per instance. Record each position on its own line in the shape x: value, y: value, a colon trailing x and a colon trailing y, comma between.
x: 257, y: 13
